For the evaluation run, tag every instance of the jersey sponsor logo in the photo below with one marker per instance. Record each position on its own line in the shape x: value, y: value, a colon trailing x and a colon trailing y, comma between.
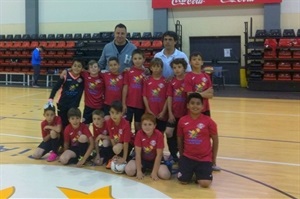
x: 187, y: 2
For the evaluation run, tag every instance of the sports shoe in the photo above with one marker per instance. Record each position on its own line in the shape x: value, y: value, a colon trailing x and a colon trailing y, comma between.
x: 52, y: 157
x: 108, y: 166
x: 216, y: 168
x: 35, y: 86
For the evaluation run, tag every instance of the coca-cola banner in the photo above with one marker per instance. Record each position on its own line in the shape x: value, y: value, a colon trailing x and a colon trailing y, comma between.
x: 190, y: 3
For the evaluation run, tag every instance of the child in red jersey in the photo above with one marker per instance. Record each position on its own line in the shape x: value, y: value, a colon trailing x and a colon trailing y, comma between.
x: 198, y: 143
x: 132, y: 98
x: 149, y: 145
x: 155, y: 94
x: 198, y: 81
x: 176, y: 104
x: 103, y: 152
x: 120, y: 133
x: 93, y: 90
x: 78, y: 140
x: 51, y: 128
x: 113, y: 82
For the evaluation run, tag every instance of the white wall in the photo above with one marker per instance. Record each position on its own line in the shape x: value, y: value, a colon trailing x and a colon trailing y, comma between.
x: 71, y: 16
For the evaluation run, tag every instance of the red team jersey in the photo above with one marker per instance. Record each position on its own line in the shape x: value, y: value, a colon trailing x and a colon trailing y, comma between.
x: 198, y: 83
x: 196, y: 137
x: 56, y: 121
x: 119, y: 133
x: 113, y: 87
x: 71, y: 135
x: 134, y: 79
x: 176, y: 91
x: 156, y: 93
x: 93, y: 90
x: 149, y: 144
x: 97, y: 131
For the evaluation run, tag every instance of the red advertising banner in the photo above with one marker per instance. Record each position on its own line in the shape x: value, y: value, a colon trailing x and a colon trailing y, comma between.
x: 193, y: 3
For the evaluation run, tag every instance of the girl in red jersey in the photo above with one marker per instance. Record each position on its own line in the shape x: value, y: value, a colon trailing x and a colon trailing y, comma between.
x: 51, y: 128
x: 132, y: 98
x: 78, y: 140
x: 149, y: 145
x: 103, y: 152
x: 198, y: 143
x: 155, y: 94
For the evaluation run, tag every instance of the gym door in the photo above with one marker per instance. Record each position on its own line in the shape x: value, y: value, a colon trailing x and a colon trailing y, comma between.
x: 222, y: 51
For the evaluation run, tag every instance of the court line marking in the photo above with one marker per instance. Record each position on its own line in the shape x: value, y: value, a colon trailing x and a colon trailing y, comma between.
x: 257, y: 113
x: 21, y: 96
x: 258, y: 139
x: 259, y: 161
x: 220, y: 157
x: 262, y: 183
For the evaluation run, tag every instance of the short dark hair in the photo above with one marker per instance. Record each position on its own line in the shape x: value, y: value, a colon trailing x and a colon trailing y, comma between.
x: 117, y: 105
x: 74, y: 112
x: 148, y: 116
x: 195, y: 54
x: 42, y: 48
x: 78, y: 60
x: 179, y: 61
x: 49, y: 107
x: 98, y: 112
x: 113, y: 58
x: 194, y: 95
x: 156, y: 61
x: 120, y: 25
x: 92, y: 62
x: 170, y: 34
x: 138, y: 51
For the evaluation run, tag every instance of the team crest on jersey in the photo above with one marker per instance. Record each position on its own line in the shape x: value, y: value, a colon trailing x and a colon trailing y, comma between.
x: 200, y: 125
x: 152, y: 142
x: 120, y: 131
x: 79, y: 80
x: 161, y: 85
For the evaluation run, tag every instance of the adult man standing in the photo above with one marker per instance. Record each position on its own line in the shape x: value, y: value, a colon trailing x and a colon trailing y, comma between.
x: 120, y: 47
x: 169, y: 53
x: 36, y: 64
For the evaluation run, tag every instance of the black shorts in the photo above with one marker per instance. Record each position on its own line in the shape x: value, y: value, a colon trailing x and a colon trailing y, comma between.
x: 188, y: 167
x: 87, y: 114
x: 106, y: 109
x: 106, y: 153
x: 161, y: 125
x: 80, y: 149
x: 47, y: 146
x: 134, y: 112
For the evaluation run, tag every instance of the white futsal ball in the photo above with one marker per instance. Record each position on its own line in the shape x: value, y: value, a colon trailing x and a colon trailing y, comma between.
x: 117, y: 168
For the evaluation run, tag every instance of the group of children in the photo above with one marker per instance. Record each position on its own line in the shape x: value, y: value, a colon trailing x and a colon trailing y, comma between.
x: 177, y: 107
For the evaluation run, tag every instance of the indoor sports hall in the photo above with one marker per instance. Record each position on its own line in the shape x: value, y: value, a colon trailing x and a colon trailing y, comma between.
x: 256, y: 107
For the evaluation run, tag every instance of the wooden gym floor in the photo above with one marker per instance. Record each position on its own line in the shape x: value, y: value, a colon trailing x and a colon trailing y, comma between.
x: 259, y: 149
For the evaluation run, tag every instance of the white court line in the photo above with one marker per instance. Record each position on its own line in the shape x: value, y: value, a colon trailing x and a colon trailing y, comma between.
x: 260, y: 161
x: 21, y: 136
x: 224, y: 158
x: 17, y: 97
x: 256, y: 113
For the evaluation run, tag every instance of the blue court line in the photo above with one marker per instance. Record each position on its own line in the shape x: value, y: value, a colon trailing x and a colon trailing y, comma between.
x: 262, y: 183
